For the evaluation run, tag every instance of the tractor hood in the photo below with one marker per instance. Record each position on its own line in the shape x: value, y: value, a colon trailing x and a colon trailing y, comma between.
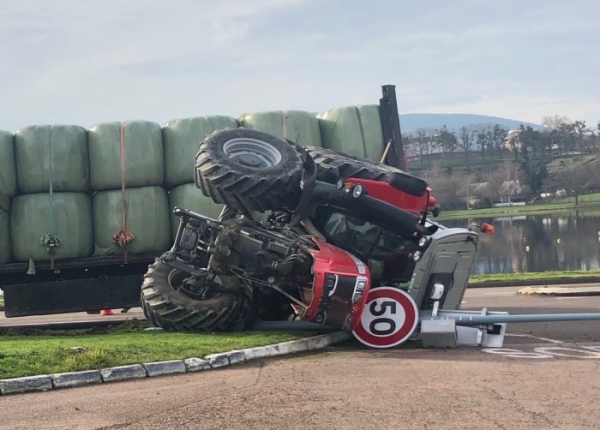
x: 368, y: 208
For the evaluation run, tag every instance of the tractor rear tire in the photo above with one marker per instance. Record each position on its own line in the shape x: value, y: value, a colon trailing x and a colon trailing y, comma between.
x: 164, y: 306
x: 249, y: 170
x: 354, y: 167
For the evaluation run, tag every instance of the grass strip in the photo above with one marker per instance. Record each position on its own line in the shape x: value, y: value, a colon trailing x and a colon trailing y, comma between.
x: 48, y: 352
x: 534, y: 276
x: 586, y: 202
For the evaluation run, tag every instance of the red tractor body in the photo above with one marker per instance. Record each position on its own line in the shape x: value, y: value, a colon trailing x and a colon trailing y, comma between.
x: 340, y: 287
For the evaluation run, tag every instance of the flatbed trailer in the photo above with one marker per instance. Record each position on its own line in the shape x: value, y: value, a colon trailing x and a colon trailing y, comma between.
x: 112, y: 282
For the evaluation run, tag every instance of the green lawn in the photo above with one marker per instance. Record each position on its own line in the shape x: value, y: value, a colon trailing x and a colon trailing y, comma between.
x: 586, y: 202
x: 51, y: 352
x: 535, y: 276
x: 584, y: 198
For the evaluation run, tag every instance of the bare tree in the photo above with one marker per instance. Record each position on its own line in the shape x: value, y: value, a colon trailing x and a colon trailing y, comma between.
x: 576, y: 179
x: 505, y: 180
x: 498, y: 136
x: 447, y: 140
x: 448, y: 189
x: 554, y: 122
x: 465, y: 140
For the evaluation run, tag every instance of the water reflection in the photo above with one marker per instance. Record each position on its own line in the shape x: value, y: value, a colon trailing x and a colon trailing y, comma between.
x: 538, y: 243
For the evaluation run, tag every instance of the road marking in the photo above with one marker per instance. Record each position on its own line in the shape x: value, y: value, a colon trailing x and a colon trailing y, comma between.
x: 560, y: 351
x: 541, y: 352
x: 501, y: 294
x: 530, y: 336
x: 569, y: 298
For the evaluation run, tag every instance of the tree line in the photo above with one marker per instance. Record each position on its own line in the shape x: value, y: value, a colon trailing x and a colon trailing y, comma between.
x: 491, y: 163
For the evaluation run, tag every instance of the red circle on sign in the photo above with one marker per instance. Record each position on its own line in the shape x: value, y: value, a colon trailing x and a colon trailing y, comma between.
x: 402, y: 331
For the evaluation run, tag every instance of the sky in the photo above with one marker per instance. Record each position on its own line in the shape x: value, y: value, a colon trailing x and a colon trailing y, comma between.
x: 87, y: 62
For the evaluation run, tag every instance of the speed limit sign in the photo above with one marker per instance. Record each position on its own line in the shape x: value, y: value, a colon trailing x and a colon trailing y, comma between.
x: 389, y: 318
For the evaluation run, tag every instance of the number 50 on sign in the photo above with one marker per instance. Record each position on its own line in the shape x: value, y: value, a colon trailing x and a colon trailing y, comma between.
x: 389, y: 318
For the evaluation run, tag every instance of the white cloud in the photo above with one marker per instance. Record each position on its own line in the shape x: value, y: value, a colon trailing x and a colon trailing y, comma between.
x: 85, y: 62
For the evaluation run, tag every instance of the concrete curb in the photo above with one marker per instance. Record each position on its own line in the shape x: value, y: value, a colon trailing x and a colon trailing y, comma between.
x: 29, y: 383
x: 561, y: 291
x: 76, y: 379
x: 163, y: 368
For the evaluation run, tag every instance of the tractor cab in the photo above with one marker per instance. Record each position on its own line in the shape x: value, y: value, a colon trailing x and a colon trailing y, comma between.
x: 390, y: 256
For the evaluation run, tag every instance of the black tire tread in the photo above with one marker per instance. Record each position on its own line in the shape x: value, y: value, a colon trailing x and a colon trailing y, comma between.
x: 166, y: 308
x: 354, y: 167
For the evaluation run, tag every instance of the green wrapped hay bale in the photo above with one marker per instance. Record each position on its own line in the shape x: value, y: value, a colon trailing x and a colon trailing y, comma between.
x: 182, y: 138
x: 8, y: 175
x: 298, y: 126
x: 142, y: 150
x: 5, y: 252
x: 66, y: 216
x: 52, y: 152
x: 353, y: 130
x: 187, y: 196
x: 8, y: 188
x: 147, y: 215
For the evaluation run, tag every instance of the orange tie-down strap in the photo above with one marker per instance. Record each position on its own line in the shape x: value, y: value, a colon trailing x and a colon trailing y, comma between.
x: 123, y: 237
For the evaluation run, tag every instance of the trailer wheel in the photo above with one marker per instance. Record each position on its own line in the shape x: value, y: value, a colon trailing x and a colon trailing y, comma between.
x: 167, y: 304
x: 249, y: 170
x: 354, y: 167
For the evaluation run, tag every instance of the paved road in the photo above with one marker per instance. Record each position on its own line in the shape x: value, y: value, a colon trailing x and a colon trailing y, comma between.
x: 546, y: 377
x: 69, y: 318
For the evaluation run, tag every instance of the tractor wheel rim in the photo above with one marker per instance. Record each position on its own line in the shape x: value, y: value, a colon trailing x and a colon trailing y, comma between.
x: 252, y: 152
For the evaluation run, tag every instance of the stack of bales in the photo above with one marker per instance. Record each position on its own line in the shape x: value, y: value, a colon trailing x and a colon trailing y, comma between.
x: 181, y: 138
x: 51, y: 218
x: 129, y: 206
x: 111, y: 190
x: 8, y: 188
x: 354, y: 130
x: 297, y: 126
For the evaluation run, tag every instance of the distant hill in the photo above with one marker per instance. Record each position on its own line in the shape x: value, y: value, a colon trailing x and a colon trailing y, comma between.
x: 454, y: 121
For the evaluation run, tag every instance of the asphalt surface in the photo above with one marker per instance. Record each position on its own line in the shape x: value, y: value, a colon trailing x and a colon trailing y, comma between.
x: 545, y: 377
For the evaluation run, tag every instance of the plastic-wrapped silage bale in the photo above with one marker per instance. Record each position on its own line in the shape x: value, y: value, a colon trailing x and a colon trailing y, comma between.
x: 146, y: 212
x: 52, y: 153
x: 188, y: 196
x: 5, y: 249
x: 353, y: 130
x: 8, y: 188
x: 297, y: 126
x: 35, y: 218
x: 130, y: 150
x: 181, y: 138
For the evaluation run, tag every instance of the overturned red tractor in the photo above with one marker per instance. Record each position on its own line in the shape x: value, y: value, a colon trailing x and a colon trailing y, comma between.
x: 304, y: 235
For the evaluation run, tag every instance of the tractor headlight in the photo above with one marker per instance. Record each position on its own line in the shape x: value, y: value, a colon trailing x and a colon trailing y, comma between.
x: 360, y: 286
x: 417, y: 255
x: 358, y: 191
x: 330, y: 284
x: 359, y: 289
x: 423, y: 242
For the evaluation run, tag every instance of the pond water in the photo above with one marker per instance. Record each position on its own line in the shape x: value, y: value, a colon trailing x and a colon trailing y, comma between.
x: 538, y: 243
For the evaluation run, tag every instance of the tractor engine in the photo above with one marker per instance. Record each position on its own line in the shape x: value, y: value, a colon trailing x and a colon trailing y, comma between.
x: 266, y: 256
